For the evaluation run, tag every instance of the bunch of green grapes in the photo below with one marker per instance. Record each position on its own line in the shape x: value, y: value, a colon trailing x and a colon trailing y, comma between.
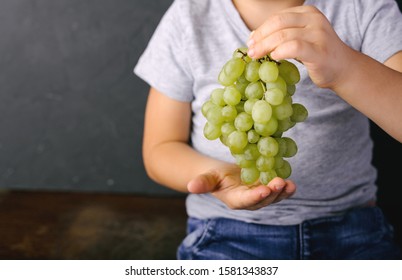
x: 250, y: 113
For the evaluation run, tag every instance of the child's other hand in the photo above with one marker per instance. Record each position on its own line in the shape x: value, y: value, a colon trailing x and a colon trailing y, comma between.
x: 305, y: 34
x: 225, y: 184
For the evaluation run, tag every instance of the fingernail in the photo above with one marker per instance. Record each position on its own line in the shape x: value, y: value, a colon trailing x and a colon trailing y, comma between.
x: 278, y: 188
x: 251, y: 52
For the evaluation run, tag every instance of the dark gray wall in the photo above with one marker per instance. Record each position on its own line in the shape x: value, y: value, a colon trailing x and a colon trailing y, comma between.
x: 71, y: 110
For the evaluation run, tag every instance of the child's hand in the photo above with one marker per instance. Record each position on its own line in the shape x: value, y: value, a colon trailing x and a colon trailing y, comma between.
x: 305, y: 34
x: 225, y: 184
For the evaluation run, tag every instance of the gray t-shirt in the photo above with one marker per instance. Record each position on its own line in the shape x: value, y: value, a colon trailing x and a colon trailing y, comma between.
x: 332, y: 169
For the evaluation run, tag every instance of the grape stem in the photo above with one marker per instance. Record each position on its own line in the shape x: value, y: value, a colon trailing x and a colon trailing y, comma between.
x: 244, y: 54
x: 268, y: 58
x: 260, y: 60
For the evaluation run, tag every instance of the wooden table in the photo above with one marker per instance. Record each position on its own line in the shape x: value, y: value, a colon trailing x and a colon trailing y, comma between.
x: 68, y: 225
x: 64, y: 225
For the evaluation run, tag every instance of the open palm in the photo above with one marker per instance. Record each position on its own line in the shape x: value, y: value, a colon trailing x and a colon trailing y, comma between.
x: 225, y: 184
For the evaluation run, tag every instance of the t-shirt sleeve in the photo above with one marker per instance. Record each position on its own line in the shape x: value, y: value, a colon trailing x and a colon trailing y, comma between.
x: 163, y: 64
x: 380, y: 28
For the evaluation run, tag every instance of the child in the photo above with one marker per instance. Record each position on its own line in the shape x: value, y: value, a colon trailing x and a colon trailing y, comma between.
x: 351, y: 59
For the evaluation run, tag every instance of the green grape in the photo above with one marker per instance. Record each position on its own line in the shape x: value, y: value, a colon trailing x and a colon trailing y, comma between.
x: 212, y: 131
x: 252, y: 71
x: 285, y: 125
x: 214, y: 115
x: 242, y: 162
x: 287, y: 99
x: 249, y: 104
x: 217, y: 97
x: 267, y: 176
x: 229, y: 113
x: 261, y: 111
x: 267, y: 146
x: 264, y: 163
x: 268, y: 71
x: 253, y: 136
x: 241, y: 85
x: 234, y: 68
x: 224, y: 80
x: 282, y: 111
x: 242, y: 53
x: 274, y: 96
x: 300, y: 113
x: 240, y: 107
x: 278, y: 133
x: 289, y: 72
x: 239, y: 52
x: 249, y: 174
x: 251, y: 152
x: 227, y: 128
x: 231, y: 96
x: 243, y: 122
x: 254, y: 90
x: 279, y: 161
x: 224, y: 139
x: 206, y: 106
x: 285, y: 170
x: 267, y: 129
x: 237, y: 141
x: 291, y: 89
x: 282, y: 146
x: 278, y: 83
x: 291, y: 147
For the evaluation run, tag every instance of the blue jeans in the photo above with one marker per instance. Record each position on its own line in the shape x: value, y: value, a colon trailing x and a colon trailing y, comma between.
x: 362, y: 233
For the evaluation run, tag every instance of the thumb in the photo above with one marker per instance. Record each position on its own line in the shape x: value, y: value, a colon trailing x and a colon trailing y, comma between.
x: 203, y: 183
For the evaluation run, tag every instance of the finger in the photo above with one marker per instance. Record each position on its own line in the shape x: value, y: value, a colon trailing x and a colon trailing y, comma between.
x: 277, y: 183
x: 301, y: 9
x: 203, y: 183
x: 268, y: 200
x: 294, y: 17
x: 304, y: 51
x: 243, y: 197
x: 287, y: 191
x: 281, y: 189
x: 276, y: 186
x: 275, y: 23
x: 277, y: 38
